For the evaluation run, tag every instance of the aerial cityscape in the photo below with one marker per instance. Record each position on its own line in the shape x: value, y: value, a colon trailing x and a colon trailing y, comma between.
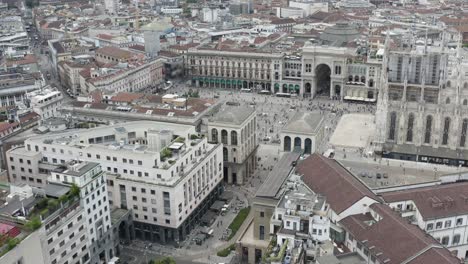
x: 240, y: 131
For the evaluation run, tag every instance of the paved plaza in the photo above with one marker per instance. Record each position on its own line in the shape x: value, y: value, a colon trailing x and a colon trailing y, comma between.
x: 353, y: 131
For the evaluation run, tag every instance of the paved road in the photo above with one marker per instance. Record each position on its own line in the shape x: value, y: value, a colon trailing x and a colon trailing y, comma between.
x: 45, y: 64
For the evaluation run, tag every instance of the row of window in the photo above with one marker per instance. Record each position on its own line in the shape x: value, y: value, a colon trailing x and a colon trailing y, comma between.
x: 447, y: 224
x: 445, y: 240
x: 428, y: 129
x: 124, y: 160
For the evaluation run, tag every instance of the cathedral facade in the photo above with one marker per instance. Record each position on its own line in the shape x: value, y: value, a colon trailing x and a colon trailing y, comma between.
x: 422, y: 110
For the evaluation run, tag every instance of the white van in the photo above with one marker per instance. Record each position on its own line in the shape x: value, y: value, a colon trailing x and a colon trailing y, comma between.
x: 114, y: 260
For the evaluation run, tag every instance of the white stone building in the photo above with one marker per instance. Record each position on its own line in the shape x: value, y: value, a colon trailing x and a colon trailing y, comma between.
x: 429, y: 83
x: 301, y: 214
x: 235, y: 127
x: 112, y: 6
x: 303, y: 132
x: 165, y: 172
x: 46, y: 102
x: 61, y: 233
x: 128, y: 79
x: 91, y: 181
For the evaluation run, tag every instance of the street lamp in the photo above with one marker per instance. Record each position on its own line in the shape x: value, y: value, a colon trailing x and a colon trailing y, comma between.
x: 145, y: 253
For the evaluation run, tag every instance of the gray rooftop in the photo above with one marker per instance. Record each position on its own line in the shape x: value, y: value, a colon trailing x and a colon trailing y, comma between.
x: 74, y: 170
x: 304, y: 123
x: 340, y: 34
x: 278, y: 175
x: 56, y: 190
x: 15, y: 204
x: 349, y: 258
x: 231, y: 114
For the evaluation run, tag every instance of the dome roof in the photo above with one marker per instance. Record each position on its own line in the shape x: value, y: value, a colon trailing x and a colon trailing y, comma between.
x: 340, y: 33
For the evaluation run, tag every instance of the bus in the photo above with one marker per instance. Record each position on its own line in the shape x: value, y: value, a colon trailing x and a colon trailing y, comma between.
x: 287, y: 95
x: 264, y: 92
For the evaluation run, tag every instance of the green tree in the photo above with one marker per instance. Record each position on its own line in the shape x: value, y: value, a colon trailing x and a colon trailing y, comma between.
x: 74, y: 190
x: 12, y: 242
x: 34, y: 223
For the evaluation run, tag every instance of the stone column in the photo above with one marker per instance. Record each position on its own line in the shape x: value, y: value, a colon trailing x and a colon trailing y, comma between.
x: 314, y: 87
x: 162, y: 235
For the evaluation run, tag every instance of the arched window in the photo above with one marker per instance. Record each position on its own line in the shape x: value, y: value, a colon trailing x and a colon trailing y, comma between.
x: 234, y: 138
x: 225, y: 154
x: 297, y: 143
x: 287, y: 143
x: 308, y: 146
x: 224, y: 137
x: 214, y: 135
x: 371, y: 83
x: 363, y: 79
x: 350, y: 78
x: 391, y: 131
x: 465, y: 85
x: 447, y: 100
x: 449, y: 84
x: 287, y: 73
x: 428, y: 130
x: 445, y: 136
x: 356, y: 78
x: 465, y: 102
x: 409, y: 130
x: 463, y: 132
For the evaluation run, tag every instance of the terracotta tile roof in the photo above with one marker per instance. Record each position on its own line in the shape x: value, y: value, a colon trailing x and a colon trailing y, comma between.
x: 392, y: 240
x: 137, y: 47
x: 105, y: 36
x: 434, y: 202
x: 96, y: 96
x: 28, y: 117
x: 166, y: 53
x: 126, y: 97
x: 184, y: 47
x: 28, y: 59
x: 259, y: 40
x: 194, y: 105
x: 4, y: 126
x: 281, y: 21
x: 434, y: 255
x: 115, y: 52
x: 327, y: 177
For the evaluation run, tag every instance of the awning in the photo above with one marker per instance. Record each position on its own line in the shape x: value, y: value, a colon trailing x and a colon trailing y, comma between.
x: 277, y: 85
x: 217, y: 81
x: 217, y: 206
x: 297, y: 87
x: 239, y: 82
x: 223, y: 81
x: 291, y: 87
x: 228, y: 81
x: 212, y: 81
x: 208, y: 218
